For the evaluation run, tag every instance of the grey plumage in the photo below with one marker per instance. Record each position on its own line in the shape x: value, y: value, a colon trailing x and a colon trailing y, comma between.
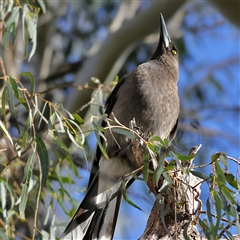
x: 148, y: 94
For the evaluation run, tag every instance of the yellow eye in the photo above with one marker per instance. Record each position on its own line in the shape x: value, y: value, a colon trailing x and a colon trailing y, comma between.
x: 174, y: 52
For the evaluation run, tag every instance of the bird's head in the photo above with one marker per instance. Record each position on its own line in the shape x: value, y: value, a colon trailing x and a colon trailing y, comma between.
x: 165, y: 46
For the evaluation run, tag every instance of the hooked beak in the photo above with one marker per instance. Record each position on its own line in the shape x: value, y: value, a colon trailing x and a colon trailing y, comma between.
x: 164, y: 37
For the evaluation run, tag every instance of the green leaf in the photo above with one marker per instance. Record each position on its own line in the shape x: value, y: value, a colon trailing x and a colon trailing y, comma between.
x: 152, y: 147
x: 167, y: 177
x: 218, y: 214
x: 209, y: 214
x: 145, y: 166
x: 223, y: 159
x: 5, y: 131
x: 238, y: 224
x: 231, y: 180
x: 101, y: 147
x: 32, y: 81
x: 4, y: 102
x: 215, y: 157
x: 175, y: 155
x: 220, y: 174
x: 125, y: 196
x: 160, y: 168
x: 25, y: 40
x: 42, y: 5
x: 171, y: 165
x: 58, y: 174
x: 226, y: 192
x: 23, y: 202
x: 43, y: 156
x: 30, y: 18
x: 96, y: 102
x: 185, y: 232
x: 185, y: 158
x: 124, y: 132
x: 157, y: 139
x: 97, y: 126
x: 26, y: 179
x: 6, y: 35
x: 10, y: 100
x: 28, y: 169
x: 205, y: 227
x: 13, y: 17
x: 78, y: 118
x: 200, y: 175
x: 3, y: 235
x: 14, y: 86
x: 3, y: 195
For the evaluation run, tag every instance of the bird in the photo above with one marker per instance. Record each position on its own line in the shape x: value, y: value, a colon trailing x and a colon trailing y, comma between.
x: 147, y: 97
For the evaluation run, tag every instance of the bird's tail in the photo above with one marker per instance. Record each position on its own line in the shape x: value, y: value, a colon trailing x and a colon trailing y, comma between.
x: 96, y: 217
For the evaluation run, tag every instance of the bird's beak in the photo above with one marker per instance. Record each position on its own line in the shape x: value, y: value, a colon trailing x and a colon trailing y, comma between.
x: 164, y: 37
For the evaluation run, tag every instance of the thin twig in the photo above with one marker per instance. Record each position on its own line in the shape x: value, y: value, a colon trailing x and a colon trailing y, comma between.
x: 23, y: 236
x: 226, y: 228
x: 234, y: 160
x: 222, y: 219
x: 2, y: 67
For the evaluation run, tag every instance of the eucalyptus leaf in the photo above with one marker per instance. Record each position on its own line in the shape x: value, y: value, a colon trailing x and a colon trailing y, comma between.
x: 10, y: 100
x: 218, y: 209
x: 13, y: 17
x: 32, y: 81
x: 26, y: 179
x: 124, y: 132
x: 5, y: 131
x: 42, y: 5
x: 43, y: 156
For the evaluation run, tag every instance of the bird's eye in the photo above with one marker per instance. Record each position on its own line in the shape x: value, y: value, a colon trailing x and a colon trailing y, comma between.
x: 174, y: 51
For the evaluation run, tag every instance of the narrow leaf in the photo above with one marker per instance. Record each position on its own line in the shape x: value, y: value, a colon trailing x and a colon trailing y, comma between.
x: 125, y: 196
x: 101, y: 147
x: 220, y: 174
x: 12, y: 18
x: 226, y: 192
x: 124, y: 132
x: 200, y: 175
x: 43, y: 156
x: 32, y: 81
x: 145, y: 166
x: 4, y: 102
x: 78, y: 118
x: 14, y: 86
x: 10, y: 100
x: 218, y: 214
x: 42, y: 5
x: 223, y: 159
x: 231, y: 180
x: 26, y: 179
x: 209, y: 214
x: 3, y: 235
x: 5, y: 131
x: 160, y: 167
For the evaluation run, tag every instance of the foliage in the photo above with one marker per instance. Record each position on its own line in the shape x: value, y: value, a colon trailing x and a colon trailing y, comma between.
x: 10, y: 12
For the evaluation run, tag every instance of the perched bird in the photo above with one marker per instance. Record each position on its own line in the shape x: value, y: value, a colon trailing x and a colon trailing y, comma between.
x: 149, y: 95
